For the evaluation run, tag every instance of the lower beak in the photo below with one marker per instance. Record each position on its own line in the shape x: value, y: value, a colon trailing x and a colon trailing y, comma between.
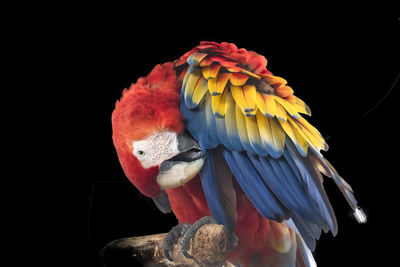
x: 183, y: 167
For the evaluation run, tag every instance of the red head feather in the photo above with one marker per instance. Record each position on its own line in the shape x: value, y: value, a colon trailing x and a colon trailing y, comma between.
x: 150, y: 105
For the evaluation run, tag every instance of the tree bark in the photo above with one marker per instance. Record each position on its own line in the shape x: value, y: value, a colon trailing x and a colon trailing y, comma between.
x: 209, y: 247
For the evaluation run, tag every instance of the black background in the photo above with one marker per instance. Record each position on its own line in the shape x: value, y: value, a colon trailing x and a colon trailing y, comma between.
x: 340, y: 63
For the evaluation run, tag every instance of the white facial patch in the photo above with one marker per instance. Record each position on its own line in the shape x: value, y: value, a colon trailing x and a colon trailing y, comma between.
x: 156, y: 148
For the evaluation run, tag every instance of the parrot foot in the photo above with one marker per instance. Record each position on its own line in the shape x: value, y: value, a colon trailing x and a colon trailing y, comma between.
x: 186, y: 232
x: 172, y: 238
x: 189, y: 232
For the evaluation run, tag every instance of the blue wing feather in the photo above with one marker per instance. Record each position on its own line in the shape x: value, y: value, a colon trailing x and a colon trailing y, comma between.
x: 313, y: 187
x: 286, y: 187
x: 272, y: 180
x: 231, y: 125
x: 242, y: 132
x: 289, y: 189
x: 251, y: 183
x: 213, y: 136
x: 216, y: 180
x: 196, y: 123
x: 309, y: 231
x: 343, y: 186
x: 222, y: 133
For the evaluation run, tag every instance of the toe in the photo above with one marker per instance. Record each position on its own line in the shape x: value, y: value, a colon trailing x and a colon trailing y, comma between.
x: 189, y: 232
x: 171, y: 239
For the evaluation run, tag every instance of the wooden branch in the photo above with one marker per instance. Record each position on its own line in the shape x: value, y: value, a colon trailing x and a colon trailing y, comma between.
x: 209, y: 247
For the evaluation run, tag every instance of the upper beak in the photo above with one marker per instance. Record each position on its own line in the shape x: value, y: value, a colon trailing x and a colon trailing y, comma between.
x: 182, y: 167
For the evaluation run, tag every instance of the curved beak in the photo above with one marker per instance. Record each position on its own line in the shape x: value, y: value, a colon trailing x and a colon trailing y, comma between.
x: 184, y: 166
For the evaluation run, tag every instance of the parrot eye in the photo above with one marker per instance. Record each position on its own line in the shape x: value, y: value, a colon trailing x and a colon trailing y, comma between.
x: 141, y: 152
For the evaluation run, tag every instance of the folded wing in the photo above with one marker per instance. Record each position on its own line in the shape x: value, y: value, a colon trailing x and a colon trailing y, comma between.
x: 253, y: 119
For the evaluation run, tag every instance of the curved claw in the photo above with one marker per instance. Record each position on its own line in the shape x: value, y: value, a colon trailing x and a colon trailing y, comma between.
x: 172, y: 238
x: 190, y: 232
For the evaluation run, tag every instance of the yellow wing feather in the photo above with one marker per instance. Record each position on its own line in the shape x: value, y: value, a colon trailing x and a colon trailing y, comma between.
x: 288, y: 107
x: 297, y: 139
x: 191, y: 82
x: 199, y: 91
x: 249, y: 92
x: 312, y: 133
x: 277, y: 133
x: 254, y: 135
x: 271, y: 133
x: 221, y: 82
x: 301, y: 107
x: 238, y: 96
x: 280, y: 111
x: 261, y: 103
x: 241, y: 126
x: 230, y: 120
x: 270, y: 105
x: 264, y: 129
x: 211, y: 71
x: 212, y: 85
x: 218, y: 104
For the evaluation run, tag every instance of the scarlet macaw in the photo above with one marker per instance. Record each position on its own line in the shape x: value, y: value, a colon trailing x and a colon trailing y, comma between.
x: 216, y: 136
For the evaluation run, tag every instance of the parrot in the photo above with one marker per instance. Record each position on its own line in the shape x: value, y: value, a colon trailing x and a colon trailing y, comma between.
x: 215, y: 137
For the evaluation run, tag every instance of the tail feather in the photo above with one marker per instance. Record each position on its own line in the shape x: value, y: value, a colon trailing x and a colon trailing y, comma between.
x: 344, y: 187
x: 304, y: 256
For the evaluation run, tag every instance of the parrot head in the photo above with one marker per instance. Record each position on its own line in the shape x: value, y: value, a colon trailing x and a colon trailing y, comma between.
x: 148, y: 133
